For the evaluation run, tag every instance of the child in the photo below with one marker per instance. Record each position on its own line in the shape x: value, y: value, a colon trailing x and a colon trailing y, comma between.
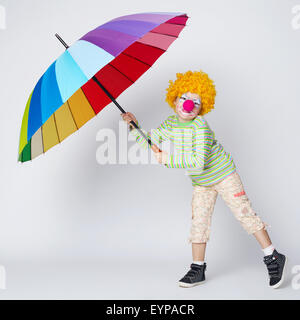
x: 211, y: 169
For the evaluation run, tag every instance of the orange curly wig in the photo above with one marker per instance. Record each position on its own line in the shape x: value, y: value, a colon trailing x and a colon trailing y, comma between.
x: 194, y: 82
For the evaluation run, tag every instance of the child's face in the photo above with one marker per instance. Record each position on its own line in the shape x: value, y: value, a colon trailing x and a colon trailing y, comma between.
x: 188, y: 106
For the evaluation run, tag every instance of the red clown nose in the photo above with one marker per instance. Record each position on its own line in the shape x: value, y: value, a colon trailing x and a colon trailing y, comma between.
x: 188, y: 105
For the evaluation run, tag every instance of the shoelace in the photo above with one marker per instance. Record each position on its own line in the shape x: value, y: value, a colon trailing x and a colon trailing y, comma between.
x: 192, y: 272
x: 273, y: 266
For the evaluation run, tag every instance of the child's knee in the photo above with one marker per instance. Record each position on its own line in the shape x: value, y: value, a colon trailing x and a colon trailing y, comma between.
x: 250, y: 221
x: 200, y: 229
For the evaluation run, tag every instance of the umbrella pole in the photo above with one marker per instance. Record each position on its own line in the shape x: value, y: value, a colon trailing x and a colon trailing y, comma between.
x: 120, y: 108
x: 109, y: 95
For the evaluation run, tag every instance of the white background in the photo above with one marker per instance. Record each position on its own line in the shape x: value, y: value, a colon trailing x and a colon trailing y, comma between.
x: 72, y: 228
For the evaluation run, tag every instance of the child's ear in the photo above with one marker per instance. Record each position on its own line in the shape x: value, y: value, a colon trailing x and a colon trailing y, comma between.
x: 175, y: 101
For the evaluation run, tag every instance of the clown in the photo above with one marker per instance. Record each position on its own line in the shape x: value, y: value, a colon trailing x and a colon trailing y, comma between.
x: 210, y: 168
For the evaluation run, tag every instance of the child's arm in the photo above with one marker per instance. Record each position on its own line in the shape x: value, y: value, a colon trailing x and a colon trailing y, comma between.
x: 157, y: 135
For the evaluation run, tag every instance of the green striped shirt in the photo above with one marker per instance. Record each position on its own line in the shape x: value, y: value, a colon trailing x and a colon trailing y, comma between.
x: 204, y: 158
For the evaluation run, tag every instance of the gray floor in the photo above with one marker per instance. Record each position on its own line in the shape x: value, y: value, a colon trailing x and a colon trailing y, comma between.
x: 138, y: 279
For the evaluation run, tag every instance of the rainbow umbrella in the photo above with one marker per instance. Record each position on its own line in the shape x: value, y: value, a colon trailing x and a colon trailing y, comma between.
x: 91, y: 73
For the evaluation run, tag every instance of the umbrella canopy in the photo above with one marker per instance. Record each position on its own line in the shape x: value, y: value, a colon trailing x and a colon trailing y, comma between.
x: 113, y: 55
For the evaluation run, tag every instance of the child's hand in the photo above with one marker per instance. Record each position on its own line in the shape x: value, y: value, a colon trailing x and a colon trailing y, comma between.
x: 161, y: 157
x: 128, y: 116
x: 155, y: 148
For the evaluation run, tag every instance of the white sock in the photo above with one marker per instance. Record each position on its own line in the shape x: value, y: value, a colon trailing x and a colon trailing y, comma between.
x: 268, y: 250
x: 199, y: 262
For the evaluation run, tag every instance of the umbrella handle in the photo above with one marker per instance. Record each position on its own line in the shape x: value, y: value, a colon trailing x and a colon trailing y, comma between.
x: 148, y: 140
x: 141, y: 132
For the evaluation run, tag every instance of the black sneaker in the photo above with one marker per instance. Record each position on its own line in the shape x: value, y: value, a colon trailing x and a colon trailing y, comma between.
x: 275, y: 263
x: 194, y: 276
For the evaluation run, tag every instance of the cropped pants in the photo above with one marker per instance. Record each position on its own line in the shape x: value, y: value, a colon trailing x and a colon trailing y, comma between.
x: 203, y: 201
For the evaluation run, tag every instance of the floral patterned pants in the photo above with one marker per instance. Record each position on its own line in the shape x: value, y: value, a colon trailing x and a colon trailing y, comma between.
x: 203, y: 201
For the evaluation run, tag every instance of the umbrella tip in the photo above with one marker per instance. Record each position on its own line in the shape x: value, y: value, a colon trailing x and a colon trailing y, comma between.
x: 61, y: 40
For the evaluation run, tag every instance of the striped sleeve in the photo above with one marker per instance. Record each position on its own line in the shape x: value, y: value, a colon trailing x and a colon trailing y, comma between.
x: 201, y: 141
x: 157, y: 135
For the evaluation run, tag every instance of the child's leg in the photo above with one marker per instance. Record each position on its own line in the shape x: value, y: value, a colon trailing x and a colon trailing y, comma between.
x: 263, y: 238
x: 198, y: 251
x: 203, y: 202
x: 232, y: 191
